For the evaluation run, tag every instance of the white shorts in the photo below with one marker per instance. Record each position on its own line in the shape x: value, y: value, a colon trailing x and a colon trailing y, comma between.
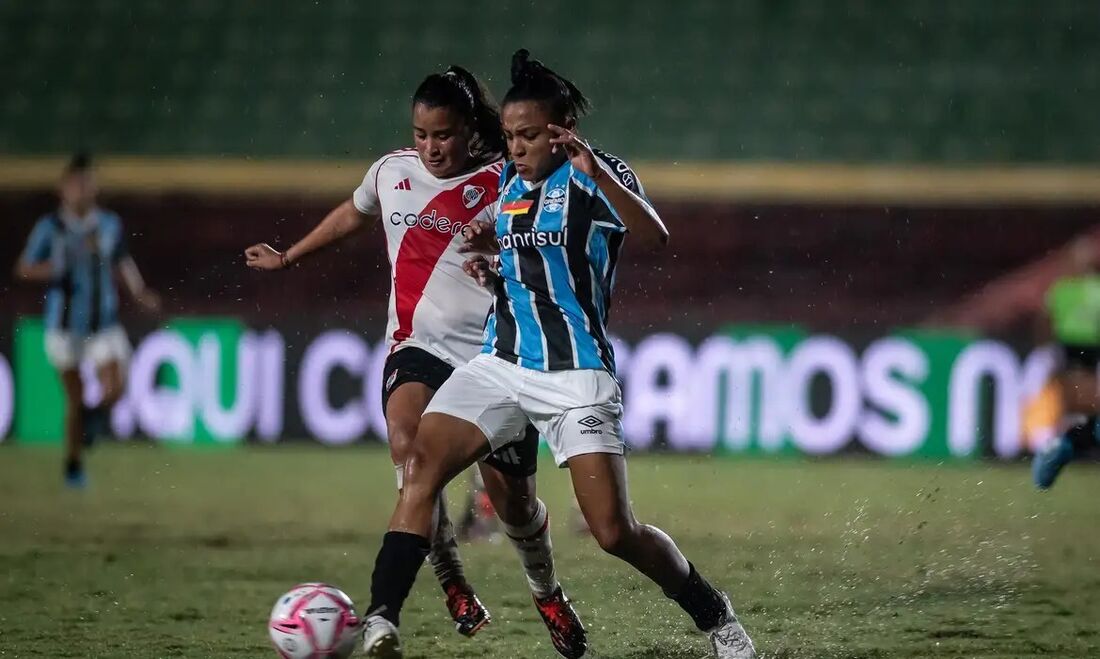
x: 65, y: 350
x: 577, y: 411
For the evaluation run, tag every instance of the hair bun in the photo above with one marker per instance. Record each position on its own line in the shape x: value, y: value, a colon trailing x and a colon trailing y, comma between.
x: 521, y: 65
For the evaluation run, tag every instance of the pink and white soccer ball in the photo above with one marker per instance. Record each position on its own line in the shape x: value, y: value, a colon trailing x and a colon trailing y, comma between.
x: 314, y: 621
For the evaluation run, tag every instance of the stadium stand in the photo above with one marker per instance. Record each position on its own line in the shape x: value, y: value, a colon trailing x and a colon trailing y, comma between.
x: 796, y: 80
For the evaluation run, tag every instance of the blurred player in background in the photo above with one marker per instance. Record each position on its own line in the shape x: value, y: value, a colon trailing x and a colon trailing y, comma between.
x: 76, y: 251
x: 423, y: 197
x: 1073, y: 314
x: 564, y: 211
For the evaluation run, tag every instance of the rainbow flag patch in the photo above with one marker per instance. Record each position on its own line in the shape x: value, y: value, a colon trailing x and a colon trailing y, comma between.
x: 517, y: 207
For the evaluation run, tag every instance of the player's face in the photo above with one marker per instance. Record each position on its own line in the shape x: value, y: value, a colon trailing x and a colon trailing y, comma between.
x: 78, y: 191
x: 529, y: 147
x: 442, y: 140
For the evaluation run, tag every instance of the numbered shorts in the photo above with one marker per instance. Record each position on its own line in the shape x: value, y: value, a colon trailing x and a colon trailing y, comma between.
x: 518, y: 459
x: 577, y: 411
x: 65, y: 350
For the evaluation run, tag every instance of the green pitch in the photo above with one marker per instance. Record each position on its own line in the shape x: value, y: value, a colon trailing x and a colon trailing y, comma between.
x: 181, y: 554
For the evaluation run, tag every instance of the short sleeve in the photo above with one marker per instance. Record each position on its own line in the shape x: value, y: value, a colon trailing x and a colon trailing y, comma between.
x: 618, y: 168
x: 119, y: 241
x: 39, y: 244
x: 603, y: 212
x: 365, y: 196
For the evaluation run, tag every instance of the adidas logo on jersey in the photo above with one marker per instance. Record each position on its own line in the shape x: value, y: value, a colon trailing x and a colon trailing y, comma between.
x: 403, y: 184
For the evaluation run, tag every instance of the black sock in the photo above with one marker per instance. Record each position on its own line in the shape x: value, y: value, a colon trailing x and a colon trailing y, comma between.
x: 1083, y: 436
x: 395, y: 570
x: 73, y: 467
x: 701, y: 601
x: 96, y: 422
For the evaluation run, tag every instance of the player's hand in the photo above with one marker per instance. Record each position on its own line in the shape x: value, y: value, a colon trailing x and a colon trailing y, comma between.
x: 479, y: 238
x: 480, y: 267
x: 263, y: 257
x: 149, y: 300
x: 576, y: 149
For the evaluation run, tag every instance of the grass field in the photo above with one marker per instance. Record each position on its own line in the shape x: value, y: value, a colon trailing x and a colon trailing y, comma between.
x: 174, y: 553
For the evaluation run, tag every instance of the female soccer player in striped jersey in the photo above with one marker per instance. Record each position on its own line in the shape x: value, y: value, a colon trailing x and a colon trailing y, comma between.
x: 564, y: 210
x: 424, y: 197
x: 77, y: 251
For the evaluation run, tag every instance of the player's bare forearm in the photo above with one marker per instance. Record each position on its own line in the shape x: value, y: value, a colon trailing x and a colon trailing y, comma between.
x: 343, y: 220
x: 643, y: 223
x: 34, y: 272
x: 131, y: 276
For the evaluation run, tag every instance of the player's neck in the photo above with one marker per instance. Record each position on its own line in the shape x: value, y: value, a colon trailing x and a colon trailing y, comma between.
x: 77, y: 215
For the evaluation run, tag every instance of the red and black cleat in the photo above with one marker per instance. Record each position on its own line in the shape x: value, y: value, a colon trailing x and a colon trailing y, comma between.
x: 469, y: 614
x: 566, y: 631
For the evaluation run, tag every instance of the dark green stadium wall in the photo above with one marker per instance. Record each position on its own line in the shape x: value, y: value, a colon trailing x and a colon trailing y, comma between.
x: 921, y: 81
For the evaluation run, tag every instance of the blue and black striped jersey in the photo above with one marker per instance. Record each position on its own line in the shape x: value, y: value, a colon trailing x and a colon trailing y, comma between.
x: 560, y: 241
x: 82, y: 298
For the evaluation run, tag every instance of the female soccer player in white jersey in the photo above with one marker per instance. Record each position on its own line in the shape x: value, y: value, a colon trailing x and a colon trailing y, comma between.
x: 424, y: 197
x: 564, y: 210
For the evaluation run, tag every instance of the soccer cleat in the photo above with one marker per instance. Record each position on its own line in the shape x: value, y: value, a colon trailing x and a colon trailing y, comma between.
x: 1048, y: 462
x: 380, y: 639
x: 566, y: 631
x: 729, y: 639
x: 469, y: 614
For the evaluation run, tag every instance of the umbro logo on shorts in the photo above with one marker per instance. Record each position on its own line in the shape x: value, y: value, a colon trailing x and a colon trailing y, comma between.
x: 590, y: 422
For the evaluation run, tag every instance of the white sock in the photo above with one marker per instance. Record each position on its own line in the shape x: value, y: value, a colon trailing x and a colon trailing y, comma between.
x: 536, y: 552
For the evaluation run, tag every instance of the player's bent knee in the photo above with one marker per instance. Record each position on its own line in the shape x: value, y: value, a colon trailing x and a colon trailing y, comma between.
x: 400, y: 438
x: 425, y: 465
x: 615, y: 538
x: 517, y: 510
x: 513, y: 498
x: 423, y: 482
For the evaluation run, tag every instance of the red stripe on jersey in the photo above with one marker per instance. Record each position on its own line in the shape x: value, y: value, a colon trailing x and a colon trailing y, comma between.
x: 421, y: 248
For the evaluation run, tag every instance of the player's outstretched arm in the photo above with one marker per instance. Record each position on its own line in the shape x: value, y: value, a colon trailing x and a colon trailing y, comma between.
x: 36, y: 264
x: 340, y: 222
x: 135, y: 284
x: 640, y: 218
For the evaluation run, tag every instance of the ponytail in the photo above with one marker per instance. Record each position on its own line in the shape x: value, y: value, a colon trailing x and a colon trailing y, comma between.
x: 459, y: 90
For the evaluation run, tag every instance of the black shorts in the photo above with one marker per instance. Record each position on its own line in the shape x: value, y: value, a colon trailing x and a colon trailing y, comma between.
x: 518, y: 459
x: 1075, y: 356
